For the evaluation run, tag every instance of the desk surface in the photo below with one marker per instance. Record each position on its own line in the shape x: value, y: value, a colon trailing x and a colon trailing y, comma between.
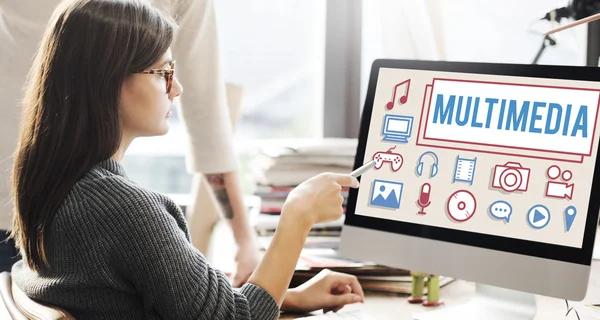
x: 396, y: 307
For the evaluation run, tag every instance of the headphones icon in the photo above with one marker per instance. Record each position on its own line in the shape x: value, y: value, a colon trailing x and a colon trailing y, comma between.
x: 434, y: 166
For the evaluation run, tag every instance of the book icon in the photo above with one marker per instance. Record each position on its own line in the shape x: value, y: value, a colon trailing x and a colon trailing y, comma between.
x: 386, y: 194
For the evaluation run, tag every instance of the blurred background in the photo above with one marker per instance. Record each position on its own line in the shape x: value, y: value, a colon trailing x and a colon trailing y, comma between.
x: 304, y: 64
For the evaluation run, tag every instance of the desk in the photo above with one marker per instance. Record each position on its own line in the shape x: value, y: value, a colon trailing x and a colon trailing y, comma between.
x: 383, y: 307
x: 459, y: 291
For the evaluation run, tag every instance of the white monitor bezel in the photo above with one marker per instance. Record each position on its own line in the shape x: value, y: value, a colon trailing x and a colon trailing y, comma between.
x: 494, y: 260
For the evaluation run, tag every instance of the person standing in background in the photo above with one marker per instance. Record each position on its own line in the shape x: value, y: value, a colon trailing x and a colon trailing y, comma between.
x: 212, y: 151
x: 211, y: 147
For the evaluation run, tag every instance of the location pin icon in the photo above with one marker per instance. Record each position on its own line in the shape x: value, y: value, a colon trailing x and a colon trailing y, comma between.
x: 570, y: 213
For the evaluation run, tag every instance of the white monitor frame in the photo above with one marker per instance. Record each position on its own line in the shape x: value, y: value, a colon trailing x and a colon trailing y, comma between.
x: 515, y: 264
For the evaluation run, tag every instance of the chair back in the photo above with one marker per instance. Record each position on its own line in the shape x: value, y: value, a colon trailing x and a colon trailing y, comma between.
x: 9, y: 309
x: 21, y: 307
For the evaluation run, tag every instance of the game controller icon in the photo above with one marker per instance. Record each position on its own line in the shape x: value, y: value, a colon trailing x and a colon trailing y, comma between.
x: 395, y: 159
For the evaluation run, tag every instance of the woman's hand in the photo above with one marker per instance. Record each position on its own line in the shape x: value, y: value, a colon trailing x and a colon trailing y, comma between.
x: 318, y: 199
x: 328, y: 290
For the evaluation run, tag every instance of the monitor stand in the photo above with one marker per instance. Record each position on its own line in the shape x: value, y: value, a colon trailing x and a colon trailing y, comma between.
x: 596, y: 252
x: 490, y: 303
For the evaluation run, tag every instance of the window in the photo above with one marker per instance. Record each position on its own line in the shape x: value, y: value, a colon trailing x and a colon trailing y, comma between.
x: 507, y: 31
x: 275, y: 51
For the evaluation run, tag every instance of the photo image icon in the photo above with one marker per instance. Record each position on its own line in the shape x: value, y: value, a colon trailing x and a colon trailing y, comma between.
x: 386, y: 194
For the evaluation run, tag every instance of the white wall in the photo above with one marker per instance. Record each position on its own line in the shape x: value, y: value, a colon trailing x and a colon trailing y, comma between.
x: 498, y: 31
x: 465, y: 30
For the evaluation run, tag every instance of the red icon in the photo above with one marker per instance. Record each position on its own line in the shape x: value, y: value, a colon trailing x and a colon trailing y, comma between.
x: 424, y: 196
x: 395, y: 159
x: 461, y: 205
x: 511, y: 177
x: 559, y: 190
x: 403, y: 99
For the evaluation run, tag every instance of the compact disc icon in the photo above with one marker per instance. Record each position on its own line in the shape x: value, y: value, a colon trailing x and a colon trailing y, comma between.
x: 461, y: 205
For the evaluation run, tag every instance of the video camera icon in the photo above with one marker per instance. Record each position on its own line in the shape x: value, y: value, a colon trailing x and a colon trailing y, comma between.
x: 560, y: 190
x: 510, y: 177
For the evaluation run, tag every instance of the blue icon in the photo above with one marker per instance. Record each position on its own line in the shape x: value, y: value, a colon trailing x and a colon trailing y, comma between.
x: 501, y: 210
x: 434, y: 166
x: 397, y: 128
x: 570, y: 213
x: 538, y: 216
x: 464, y: 170
x: 386, y: 194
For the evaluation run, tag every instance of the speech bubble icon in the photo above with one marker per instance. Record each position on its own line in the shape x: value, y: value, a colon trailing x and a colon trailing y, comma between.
x: 501, y: 210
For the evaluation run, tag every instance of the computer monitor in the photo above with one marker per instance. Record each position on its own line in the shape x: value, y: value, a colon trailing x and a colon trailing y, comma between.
x: 498, y: 186
x: 396, y: 128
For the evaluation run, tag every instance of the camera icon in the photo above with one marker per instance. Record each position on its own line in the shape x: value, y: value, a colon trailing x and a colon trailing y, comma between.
x: 511, y: 176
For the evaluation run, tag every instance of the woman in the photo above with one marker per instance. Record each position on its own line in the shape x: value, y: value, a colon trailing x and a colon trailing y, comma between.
x: 97, y: 244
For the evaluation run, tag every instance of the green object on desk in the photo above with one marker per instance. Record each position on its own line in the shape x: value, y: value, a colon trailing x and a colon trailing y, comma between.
x: 418, y: 284
x: 433, y: 289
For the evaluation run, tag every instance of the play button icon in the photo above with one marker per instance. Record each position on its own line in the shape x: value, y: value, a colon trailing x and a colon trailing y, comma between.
x: 538, y: 216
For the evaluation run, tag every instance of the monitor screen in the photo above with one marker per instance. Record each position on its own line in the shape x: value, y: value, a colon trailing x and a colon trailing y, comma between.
x: 494, y: 159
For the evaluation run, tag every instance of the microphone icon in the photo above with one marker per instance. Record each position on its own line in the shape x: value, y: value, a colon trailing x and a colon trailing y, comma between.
x: 424, y: 201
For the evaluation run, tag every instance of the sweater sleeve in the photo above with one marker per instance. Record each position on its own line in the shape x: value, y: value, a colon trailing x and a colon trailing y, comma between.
x: 151, y: 251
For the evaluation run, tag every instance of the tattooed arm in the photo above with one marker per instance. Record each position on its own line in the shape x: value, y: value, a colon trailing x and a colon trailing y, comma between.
x: 217, y: 182
x: 228, y: 192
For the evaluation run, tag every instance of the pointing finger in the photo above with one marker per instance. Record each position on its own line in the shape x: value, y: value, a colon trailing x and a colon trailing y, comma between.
x: 345, y: 180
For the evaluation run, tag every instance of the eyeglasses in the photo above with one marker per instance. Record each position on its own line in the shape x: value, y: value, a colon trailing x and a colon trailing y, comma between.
x: 167, y: 73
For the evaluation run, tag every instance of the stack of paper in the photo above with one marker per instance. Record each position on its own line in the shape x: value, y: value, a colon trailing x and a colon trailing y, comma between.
x: 282, y: 165
x: 290, y: 164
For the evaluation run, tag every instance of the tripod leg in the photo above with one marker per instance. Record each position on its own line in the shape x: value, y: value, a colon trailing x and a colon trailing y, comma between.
x: 548, y: 41
x: 539, y: 53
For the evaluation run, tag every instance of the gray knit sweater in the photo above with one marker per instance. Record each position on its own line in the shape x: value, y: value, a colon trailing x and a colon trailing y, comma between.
x: 119, y: 251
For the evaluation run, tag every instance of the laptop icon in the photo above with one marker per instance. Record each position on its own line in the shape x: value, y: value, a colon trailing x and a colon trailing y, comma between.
x: 397, y: 128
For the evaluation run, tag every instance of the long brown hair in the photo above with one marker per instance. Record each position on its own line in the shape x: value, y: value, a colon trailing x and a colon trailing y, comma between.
x: 71, y: 105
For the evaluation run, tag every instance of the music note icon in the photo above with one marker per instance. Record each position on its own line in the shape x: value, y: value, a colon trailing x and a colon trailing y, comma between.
x: 403, y: 99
